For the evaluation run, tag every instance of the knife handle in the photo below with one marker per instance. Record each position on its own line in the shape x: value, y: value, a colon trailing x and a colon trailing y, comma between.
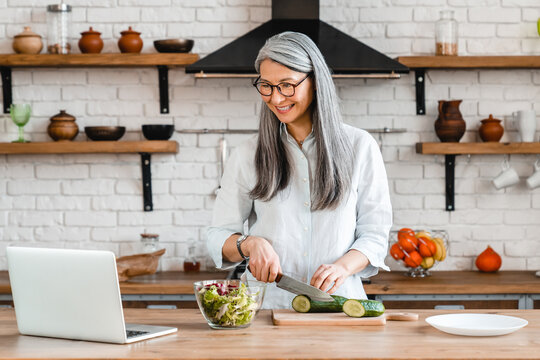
x: 278, y: 277
x: 402, y: 316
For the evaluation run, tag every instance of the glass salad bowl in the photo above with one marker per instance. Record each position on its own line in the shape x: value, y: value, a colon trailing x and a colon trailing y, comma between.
x: 418, y: 250
x: 228, y: 304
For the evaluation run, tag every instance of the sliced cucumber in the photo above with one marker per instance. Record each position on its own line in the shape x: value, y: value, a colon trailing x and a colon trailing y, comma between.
x: 362, y: 308
x: 303, y: 304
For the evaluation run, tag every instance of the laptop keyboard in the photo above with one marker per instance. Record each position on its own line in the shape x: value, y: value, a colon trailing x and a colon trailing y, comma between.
x: 133, y: 333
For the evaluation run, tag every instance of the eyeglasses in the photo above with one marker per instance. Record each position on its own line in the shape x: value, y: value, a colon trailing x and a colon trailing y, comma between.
x: 285, y: 88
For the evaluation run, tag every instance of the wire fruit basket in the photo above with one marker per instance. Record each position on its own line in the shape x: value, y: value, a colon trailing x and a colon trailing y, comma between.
x: 418, y: 250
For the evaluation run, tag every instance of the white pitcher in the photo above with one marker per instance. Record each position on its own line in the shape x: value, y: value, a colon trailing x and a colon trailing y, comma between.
x: 525, y: 121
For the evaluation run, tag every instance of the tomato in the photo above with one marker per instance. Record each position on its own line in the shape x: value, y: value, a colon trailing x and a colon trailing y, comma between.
x: 408, y: 242
x: 404, y: 232
x: 413, y: 259
x: 396, y: 252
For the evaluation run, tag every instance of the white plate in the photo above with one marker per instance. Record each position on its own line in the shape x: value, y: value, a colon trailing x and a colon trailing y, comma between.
x: 476, y: 324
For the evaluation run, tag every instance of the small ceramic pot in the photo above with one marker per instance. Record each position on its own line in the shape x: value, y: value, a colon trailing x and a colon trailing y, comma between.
x: 90, y: 42
x: 130, y: 42
x: 491, y: 129
x: 27, y: 42
x: 63, y: 127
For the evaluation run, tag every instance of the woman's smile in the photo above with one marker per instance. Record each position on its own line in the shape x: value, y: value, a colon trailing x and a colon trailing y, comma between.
x: 284, y: 109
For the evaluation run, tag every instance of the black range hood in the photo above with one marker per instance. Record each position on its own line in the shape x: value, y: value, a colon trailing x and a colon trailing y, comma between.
x: 346, y: 56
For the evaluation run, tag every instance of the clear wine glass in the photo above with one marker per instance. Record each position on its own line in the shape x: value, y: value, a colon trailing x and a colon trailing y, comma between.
x: 20, y: 114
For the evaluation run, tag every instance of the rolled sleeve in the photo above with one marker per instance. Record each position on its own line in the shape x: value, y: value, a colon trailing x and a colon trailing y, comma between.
x: 374, y: 211
x: 231, y: 209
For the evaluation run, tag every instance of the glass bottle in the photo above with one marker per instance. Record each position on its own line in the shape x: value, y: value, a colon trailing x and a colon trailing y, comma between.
x: 58, y: 28
x: 446, y: 34
x: 150, y: 243
x: 191, y: 264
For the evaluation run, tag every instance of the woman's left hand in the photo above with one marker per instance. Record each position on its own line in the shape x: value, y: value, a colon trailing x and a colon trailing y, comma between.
x: 328, y: 274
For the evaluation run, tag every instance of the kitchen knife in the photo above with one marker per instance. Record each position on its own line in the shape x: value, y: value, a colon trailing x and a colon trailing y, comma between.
x: 300, y: 288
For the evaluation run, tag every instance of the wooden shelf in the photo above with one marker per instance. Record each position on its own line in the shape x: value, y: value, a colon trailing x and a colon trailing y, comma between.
x: 97, y: 60
x: 89, y: 147
x: 422, y: 63
x: 144, y: 148
x: 162, y: 61
x: 470, y: 62
x: 477, y: 148
x: 451, y: 149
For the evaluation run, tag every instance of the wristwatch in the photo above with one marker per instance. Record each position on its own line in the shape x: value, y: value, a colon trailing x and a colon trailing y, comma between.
x: 239, y: 242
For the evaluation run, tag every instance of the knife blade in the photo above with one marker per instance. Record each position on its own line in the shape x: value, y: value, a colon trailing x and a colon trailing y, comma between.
x: 300, y: 288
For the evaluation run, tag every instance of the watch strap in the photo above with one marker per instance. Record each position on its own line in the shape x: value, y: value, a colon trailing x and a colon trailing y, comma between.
x: 239, y: 242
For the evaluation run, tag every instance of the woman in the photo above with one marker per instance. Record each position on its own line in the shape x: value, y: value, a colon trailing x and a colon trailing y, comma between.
x: 314, y: 191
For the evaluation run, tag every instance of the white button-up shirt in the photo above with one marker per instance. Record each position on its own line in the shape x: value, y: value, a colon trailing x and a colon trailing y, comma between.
x: 305, y: 239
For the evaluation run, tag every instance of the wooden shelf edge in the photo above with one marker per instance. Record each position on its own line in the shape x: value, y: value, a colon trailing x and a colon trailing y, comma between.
x: 89, y: 147
x: 470, y: 62
x: 434, y: 148
x: 98, y: 60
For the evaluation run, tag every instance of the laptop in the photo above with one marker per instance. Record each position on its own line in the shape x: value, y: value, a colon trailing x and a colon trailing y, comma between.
x: 71, y: 294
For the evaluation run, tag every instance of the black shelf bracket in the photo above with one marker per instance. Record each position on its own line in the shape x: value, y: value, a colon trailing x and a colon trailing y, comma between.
x: 146, y: 181
x: 163, y: 76
x: 6, y: 88
x: 449, y: 167
x: 420, y: 80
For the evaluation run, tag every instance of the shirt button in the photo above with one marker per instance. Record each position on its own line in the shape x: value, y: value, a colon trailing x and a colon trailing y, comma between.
x: 306, y: 204
x: 305, y: 229
x: 304, y: 180
x: 305, y: 254
x: 302, y: 157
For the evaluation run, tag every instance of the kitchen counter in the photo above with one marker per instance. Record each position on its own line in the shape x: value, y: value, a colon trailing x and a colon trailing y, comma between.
x: 196, y: 340
x: 441, y: 282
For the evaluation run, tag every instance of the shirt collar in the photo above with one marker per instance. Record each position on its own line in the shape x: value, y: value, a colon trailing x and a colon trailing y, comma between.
x: 286, y: 136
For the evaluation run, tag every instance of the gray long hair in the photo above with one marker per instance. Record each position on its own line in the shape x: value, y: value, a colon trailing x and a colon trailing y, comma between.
x: 333, y: 170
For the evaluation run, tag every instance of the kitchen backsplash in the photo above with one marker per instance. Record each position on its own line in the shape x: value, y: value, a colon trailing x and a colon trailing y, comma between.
x: 95, y: 201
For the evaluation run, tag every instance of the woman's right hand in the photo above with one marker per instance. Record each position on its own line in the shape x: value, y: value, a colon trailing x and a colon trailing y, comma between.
x: 263, y: 259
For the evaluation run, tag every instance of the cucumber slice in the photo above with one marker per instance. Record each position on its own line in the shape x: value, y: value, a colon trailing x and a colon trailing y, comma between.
x: 354, y: 308
x: 363, y: 308
x: 303, y: 304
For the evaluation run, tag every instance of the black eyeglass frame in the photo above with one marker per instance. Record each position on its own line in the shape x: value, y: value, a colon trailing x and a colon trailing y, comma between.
x: 256, y: 82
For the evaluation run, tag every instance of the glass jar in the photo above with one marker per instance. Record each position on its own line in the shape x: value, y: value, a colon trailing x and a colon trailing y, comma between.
x: 191, y: 264
x: 446, y: 34
x: 150, y: 243
x: 58, y: 28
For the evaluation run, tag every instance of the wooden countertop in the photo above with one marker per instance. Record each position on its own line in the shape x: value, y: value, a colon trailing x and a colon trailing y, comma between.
x: 169, y: 282
x: 441, y: 282
x: 196, y: 340
x: 455, y: 282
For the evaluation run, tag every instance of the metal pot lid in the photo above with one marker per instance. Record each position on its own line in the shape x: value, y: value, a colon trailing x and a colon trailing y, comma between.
x: 59, y: 8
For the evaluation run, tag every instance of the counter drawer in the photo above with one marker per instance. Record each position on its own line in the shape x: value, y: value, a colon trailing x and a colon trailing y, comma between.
x: 456, y: 301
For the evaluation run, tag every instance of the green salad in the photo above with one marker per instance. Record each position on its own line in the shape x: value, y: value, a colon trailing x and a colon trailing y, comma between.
x: 228, y: 306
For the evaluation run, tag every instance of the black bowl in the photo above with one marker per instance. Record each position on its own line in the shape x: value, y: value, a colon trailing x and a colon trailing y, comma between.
x: 174, y: 45
x: 104, y: 133
x: 157, y: 132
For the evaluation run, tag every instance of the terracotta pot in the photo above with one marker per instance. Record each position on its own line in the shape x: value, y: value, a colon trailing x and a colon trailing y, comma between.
x: 491, y: 129
x: 130, y: 42
x: 27, y: 42
x: 450, y: 125
x: 63, y: 127
x: 90, y: 42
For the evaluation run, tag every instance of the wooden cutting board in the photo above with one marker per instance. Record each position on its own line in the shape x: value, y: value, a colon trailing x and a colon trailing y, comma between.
x: 291, y: 317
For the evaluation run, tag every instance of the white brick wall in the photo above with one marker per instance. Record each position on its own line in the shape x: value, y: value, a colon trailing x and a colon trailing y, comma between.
x: 95, y: 200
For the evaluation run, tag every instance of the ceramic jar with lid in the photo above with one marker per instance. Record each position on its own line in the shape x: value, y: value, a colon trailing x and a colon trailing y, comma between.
x: 27, y: 42
x: 63, y: 127
x: 90, y: 42
x: 491, y: 129
x: 130, y: 42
